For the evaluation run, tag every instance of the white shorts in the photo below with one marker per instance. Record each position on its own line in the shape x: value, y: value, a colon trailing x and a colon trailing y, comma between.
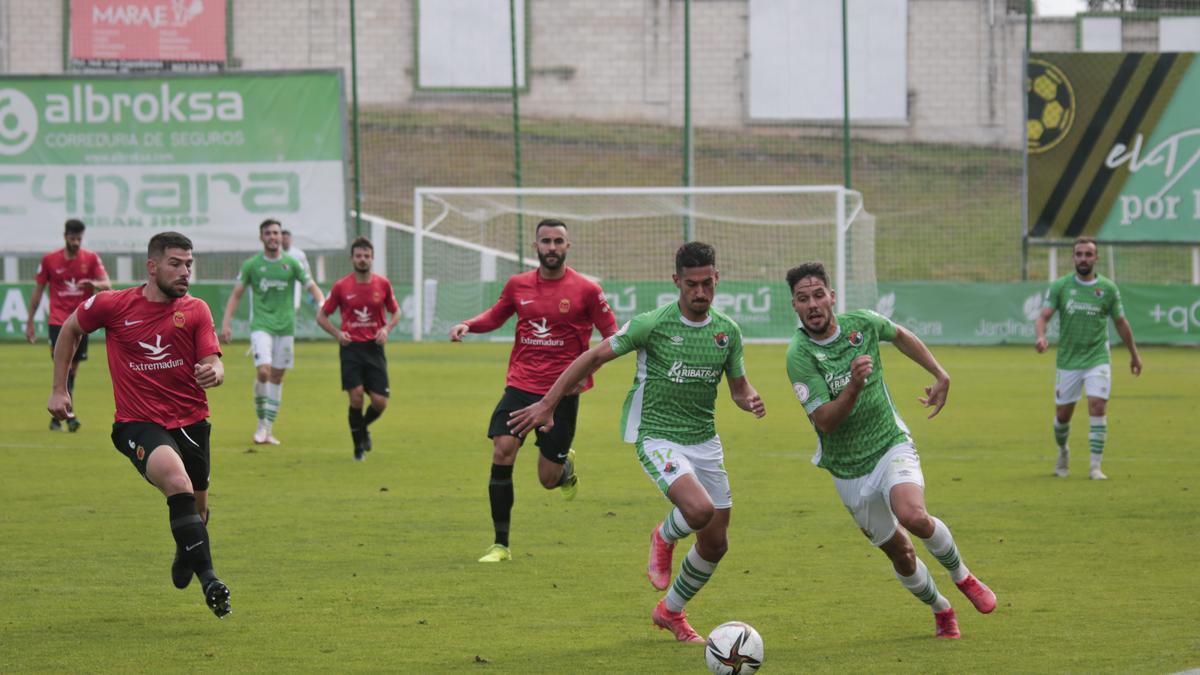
x: 869, y: 498
x: 1095, y: 381
x: 272, y: 350
x: 665, y: 461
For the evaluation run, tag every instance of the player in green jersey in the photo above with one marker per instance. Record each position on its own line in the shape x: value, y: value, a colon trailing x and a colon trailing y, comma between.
x: 683, y: 349
x: 835, y: 369
x: 269, y: 275
x: 1084, y: 302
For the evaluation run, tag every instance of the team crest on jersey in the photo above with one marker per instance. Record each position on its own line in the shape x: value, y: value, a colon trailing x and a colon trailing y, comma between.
x: 141, y: 452
x: 564, y: 305
x: 855, y: 338
x: 178, y: 319
x: 722, y: 340
x: 376, y: 296
x: 1099, y: 292
x: 285, y: 267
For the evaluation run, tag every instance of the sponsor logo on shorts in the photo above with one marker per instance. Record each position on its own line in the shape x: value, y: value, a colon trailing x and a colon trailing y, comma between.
x: 140, y: 452
x: 670, y: 468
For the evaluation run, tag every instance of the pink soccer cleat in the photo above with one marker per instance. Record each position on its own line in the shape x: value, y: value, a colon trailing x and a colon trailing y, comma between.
x: 947, y: 624
x: 676, y: 622
x: 980, y: 595
x: 659, y: 567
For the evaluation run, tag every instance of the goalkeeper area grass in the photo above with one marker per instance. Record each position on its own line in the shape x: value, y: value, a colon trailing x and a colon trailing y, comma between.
x: 340, y: 566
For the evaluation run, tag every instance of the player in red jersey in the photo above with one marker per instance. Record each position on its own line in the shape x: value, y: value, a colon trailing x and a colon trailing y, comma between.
x: 162, y: 355
x: 362, y: 297
x: 73, y: 274
x: 556, y: 308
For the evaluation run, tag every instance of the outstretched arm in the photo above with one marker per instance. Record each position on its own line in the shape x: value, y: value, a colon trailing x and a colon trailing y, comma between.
x: 1039, y: 327
x: 746, y: 396
x: 34, y: 301
x: 315, y: 291
x: 540, y: 415
x: 1126, y: 333
x: 911, y: 346
x: 230, y: 307
x: 59, y: 403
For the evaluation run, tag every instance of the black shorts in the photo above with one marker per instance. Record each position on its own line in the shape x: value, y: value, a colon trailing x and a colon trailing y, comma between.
x: 137, y: 440
x: 80, y: 352
x: 554, y: 445
x: 364, y: 365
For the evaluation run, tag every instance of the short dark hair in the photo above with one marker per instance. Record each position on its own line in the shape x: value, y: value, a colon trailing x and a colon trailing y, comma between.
x: 267, y: 223
x: 694, y: 254
x: 361, y: 242
x: 74, y: 226
x: 162, y: 241
x: 287, y: 232
x: 808, y: 269
x: 549, y: 222
x: 1085, y: 240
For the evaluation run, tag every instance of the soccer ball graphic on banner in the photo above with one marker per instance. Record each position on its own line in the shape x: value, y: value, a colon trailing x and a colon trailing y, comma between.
x: 733, y: 648
x: 1051, y: 106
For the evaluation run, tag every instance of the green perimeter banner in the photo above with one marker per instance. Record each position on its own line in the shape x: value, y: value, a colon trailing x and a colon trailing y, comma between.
x: 210, y: 155
x: 1113, y: 146
x: 938, y: 312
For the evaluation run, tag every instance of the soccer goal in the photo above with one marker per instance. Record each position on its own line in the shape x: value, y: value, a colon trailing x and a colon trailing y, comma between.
x: 468, y: 241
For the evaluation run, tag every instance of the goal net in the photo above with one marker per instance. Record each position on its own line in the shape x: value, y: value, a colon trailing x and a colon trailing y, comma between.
x: 467, y: 241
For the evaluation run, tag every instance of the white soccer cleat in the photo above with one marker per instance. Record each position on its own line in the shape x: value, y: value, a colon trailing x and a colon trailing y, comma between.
x: 271, y: 440
x: 1097, y: 474
x: 260, y: 437
x: 1062, y: 469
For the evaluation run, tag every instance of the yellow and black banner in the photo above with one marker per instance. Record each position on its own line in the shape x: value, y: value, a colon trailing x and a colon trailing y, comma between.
x: 1113, y: 146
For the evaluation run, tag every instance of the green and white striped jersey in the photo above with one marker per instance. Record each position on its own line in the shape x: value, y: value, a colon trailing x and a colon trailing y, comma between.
x: 819, y: 371
x: 1083, y: 310
x: 679, y: 365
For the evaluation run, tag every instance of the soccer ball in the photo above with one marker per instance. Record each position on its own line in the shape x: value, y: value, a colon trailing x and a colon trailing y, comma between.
x: 733, y: 648
x: 1051, y: 106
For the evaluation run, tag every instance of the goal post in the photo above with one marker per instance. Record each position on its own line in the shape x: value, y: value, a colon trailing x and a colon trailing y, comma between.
x: 467, y: 241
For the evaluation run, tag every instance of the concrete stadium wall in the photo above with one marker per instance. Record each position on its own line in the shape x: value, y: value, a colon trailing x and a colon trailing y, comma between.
x: 621, y: 59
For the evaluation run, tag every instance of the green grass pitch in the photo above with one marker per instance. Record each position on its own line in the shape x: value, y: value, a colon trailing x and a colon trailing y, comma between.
x: 340, y: 566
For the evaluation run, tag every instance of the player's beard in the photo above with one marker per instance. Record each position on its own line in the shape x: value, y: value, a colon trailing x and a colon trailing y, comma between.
x: 817, y: 325
x: 170, y: 289
x: 1083, y: 269
x: 559, y: 261
x: 72, y: 249
x: 362, y: 267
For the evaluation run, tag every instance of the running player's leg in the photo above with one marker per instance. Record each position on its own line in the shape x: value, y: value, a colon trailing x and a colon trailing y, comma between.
x: 693, y: 502
x: 1068, y: 388
x: 154, y: 452
x: 282, y: 359
x: 556, y: 459
x: 504, y: 455
x: 355, y: 417
x: 260, y: 348
x: 193, y: 445
x: 874, y: 516
x: 1097, y: 384
x: 373, y: 365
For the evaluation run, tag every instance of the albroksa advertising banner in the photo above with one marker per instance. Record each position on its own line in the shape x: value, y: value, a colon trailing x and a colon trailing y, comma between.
x: 1113, y: 146
x: 207, y: 155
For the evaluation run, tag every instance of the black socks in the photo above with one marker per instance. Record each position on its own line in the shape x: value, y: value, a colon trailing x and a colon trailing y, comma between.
x: 500, y: 492
x: 191, y: 536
